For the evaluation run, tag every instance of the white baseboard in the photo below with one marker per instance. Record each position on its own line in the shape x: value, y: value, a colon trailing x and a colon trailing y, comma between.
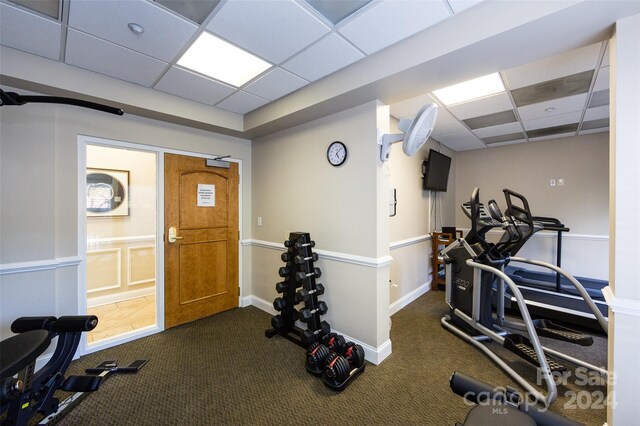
x: 408, y: 298
x: 92, y: 302
x: 371, y: 354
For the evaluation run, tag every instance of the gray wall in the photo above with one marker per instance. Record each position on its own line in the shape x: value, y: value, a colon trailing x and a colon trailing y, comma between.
x: 39, y: 197
x: 582, y: 203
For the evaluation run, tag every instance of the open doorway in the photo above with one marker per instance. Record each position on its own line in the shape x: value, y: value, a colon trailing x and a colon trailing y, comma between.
x: 121, y: 228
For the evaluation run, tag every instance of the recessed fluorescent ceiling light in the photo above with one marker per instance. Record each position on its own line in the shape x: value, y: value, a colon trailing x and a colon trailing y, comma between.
x: 470, y: 90
x: 223, y: 61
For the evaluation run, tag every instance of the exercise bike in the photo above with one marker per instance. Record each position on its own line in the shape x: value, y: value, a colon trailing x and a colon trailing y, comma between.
x: 474, y: 276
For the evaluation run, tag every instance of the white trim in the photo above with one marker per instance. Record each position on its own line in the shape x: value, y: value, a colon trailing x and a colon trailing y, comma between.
x: 92, y: 302
x: 373, y: 355
x: 371, y: 262
x: 408, y: 298
x: 39, y: 265
x: 621, y: 305
x: 409, y: 241
x: 118, y: 264
x: 116, y: 240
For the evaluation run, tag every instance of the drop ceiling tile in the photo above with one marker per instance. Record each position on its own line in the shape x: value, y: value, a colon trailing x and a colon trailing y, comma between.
x: 555, y: 120
x: 275, y: 84
x: 599, y: 98
x: 487, y: 105
x: 501, y: 129
x: 560, y: 106
x: 460, y: 5
x: 553, y: 89
x: 554, y: 136
x: 461, y: 141
x: 596, y: 113
x: 410, y: 107
x: 564, y: 129
x: 391, y: 21
x: 599, y: 130
x: 337, y: 10
x: 189, y: 85
x: 602, y: 80
x: 573, y: 62
x: 46, y: 7
x: 489, y: 120
x: 511, y: 137
x: 197, y: 11
x: 323, y: 57
x: 242, y: 102
x: 605, y: 58
x: 445, y: 123
x: 273, y: 30
x: 164, y: 36
x: 29, y: 32
x: 94, y: 54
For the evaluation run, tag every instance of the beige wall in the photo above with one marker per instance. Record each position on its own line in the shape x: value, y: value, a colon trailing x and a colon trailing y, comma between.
x: 39, y: 197
x: 582, y: 203
x: 296, y: 189
x: 418, y: 213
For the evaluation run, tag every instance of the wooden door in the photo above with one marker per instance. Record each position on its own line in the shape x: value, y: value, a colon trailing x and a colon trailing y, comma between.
x: 201, y: 265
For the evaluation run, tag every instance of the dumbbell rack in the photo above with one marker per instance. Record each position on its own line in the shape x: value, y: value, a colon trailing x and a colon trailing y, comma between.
x: 299, y: 244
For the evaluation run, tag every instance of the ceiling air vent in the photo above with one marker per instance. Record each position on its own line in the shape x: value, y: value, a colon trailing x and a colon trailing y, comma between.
x: 553, y: 89
x: 550, y: 131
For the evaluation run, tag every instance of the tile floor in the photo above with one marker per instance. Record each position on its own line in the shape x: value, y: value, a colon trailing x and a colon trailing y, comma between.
x: 121, y: 317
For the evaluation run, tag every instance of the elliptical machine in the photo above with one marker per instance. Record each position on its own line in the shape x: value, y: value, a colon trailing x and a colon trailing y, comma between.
x: 472, y: 266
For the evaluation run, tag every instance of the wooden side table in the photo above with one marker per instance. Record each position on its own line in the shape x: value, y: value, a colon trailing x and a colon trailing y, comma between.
x: 440, y: 240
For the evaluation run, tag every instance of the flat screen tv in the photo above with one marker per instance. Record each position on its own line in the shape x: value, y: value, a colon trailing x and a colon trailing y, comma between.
x: 436, y: 171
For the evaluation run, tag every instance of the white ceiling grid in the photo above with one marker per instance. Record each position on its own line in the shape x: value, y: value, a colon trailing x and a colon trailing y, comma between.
x: 303, y: 46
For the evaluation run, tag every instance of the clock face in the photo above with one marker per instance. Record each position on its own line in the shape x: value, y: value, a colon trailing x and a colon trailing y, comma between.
x: 337, y: 153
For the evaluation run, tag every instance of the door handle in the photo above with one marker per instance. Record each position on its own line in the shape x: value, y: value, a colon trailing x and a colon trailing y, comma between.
x: 172, y: 235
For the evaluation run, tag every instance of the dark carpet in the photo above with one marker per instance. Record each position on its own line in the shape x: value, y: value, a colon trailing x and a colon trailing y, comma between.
x: 222, y: 370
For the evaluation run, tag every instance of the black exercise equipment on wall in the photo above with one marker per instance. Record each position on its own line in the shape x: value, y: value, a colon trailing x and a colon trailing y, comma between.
x: 299, y: 271
x: 12, y: 98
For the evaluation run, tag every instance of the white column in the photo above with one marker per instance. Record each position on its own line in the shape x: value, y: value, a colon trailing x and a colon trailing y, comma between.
x: 623, y: 294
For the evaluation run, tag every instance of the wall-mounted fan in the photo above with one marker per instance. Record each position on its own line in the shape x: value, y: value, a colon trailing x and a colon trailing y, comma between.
x: 416, y: 132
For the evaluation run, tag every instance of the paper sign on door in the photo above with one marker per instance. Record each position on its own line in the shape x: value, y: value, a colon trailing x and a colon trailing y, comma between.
x: 206, y: 195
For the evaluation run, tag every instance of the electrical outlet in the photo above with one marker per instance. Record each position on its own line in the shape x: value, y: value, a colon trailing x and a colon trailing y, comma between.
x: 259, y: 220
x: 560, y: 181
x: 552, y: 182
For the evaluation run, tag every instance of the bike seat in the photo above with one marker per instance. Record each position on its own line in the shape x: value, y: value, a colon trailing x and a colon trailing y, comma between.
x: 19, y: 351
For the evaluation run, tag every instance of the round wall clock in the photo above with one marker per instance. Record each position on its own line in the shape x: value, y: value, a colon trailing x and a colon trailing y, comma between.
x: 337, y: 153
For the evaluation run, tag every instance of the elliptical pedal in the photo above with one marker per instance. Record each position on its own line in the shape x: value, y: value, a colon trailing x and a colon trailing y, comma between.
x: 521, y: 346
x: 554, y: 331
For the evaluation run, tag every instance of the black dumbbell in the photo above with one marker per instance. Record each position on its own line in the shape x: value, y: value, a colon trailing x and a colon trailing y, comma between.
x: 298, y: 245
x: 310, y: 336
x: 339, y: 367
x: 301, y: 259
x: 282, y: 286
x: 301, y: 276
x: 278, y: 321
x: 306, y: 314
x: 304, y: 294
x: 318, y: 352
x: 279, y: 304
x: 284, y: 271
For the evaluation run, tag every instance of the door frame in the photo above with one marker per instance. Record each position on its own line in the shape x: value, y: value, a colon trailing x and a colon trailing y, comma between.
x: 83, y: 141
